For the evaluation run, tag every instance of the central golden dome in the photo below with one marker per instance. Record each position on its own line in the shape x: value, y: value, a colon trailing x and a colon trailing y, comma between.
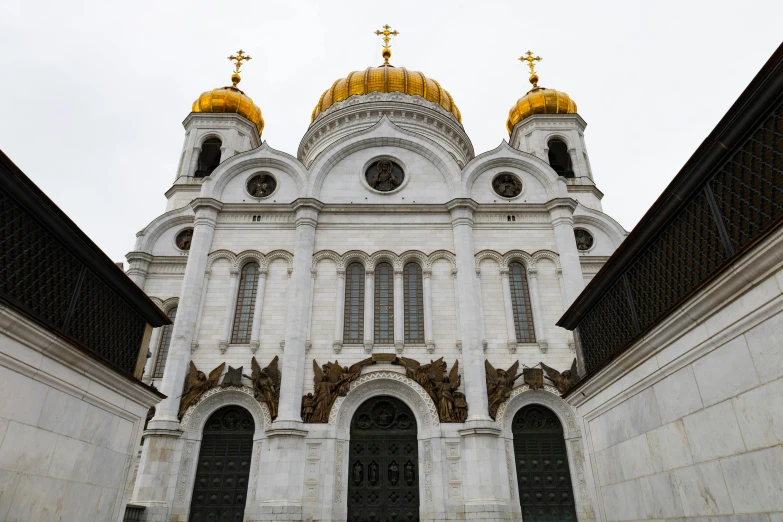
x: 386, y: 78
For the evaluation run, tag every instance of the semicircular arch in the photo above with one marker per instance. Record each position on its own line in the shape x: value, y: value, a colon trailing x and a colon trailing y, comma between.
x: 197, y: 415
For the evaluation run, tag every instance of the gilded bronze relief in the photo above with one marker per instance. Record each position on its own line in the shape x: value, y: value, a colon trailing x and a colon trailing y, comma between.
x: 499, y: 384
x: 562, y: 381
x: 196, y: 385
x: 184, y: 239
x: 384, y: 175
x: 329, y: 382
x: 507, y: 185
x: 261, y: 185
x: 441, y: 387
x: 266, y: 384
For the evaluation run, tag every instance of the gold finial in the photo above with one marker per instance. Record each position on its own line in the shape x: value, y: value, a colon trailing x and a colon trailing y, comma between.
x: 238, y: 58
x: 387, y: 34
x: 530, y: 59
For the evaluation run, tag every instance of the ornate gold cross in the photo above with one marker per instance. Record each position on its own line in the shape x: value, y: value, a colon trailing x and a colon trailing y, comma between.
x: 387, y: 36
x: 531, y: 63
x: 239, y: 58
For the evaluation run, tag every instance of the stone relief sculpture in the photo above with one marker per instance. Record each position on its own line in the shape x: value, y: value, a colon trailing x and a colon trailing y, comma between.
x: 329, y: 383
x: 196, y: 384
x: 562, y: 381
x: 499, y: 384
x: 266, y: 384
x: 441, y: 387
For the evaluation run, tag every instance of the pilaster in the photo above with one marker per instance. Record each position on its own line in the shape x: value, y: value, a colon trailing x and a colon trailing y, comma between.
x: 138, y: 267
x: 561, y: 211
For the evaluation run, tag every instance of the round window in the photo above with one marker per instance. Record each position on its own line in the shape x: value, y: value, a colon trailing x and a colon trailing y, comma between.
x: 384, y: 175
x: 261, y: 185
x: 584, y: 239
x: 507, y: 185
x: 184, y: 238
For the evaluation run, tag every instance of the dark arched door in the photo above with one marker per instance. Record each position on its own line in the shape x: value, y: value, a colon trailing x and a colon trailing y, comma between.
x: 220, y: 491
x: 383, y: 463
x: 545, y: 491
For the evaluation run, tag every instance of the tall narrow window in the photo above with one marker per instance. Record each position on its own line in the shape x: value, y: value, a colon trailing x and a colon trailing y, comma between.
x: 414, y: 304
x: 246, y: 304
x: 209, y: 157
x: 520, y: 304
x: 559, y: 159
x: 353, y: 326
x: 384, y: 304
x: 163, y: 349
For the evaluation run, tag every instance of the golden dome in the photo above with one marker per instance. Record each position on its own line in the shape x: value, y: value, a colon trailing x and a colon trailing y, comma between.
x: 386, y: 78
x: 540, y: 101
x: 230, y: 100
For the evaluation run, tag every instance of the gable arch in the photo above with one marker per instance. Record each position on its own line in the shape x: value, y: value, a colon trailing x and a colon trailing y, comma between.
x: 149, y: 235
x: 522, y: 396
x: 197, y: 415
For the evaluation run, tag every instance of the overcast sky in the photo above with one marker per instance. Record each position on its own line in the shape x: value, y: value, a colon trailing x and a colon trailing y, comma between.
x: 94, y: 92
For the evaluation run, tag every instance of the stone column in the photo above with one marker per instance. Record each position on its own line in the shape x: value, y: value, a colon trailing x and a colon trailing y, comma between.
x: 308, y: 342
x: 339, y: 315
x: 138, y: 267
x: 228, y: 317
x: 482, y: 327
x: 152, y: 354
x: 206, y: 210
x: 561, y: 211
x: 510, y: 324
x: 193, y: 163
x: 369, y: 308
x: 257, y: 310
x: 399, y: 311
x: 456, y: 308
x: 535, y: 304
x: 197, y: 329
x: 428, y: 336
x: 569, y: 333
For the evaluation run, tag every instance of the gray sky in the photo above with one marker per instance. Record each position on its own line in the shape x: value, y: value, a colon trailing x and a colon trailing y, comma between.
x: 94, y: 92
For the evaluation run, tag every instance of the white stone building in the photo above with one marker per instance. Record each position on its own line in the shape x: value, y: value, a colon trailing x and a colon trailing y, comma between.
x: 384, y: 236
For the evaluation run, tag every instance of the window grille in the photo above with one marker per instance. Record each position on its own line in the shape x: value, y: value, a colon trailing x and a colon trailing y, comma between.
x: 520, y: 304
x: 353, y: 325
x: 414, y: 303
x: 163, y: 348
x: 246, y: 304
x: 384, y: 304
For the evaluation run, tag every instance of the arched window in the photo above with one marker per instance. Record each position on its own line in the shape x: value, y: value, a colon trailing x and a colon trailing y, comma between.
x: 353, y: 325
x: 163, y: 348
x: 413, y: 297
x: 246, y: 304
x: 520, y: 304
x: 209, y: 157
x: 384, y: 304
x: 559, y: 159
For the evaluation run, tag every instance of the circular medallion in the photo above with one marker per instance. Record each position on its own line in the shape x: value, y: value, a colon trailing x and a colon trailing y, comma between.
x: 507, y: 185
x: 584, y: 239
x: 261, y: 185
x: 384, y: 175
x: 383, y: 414
x: 184, y: 238
x: 403, y: 421
x: 231, y: 420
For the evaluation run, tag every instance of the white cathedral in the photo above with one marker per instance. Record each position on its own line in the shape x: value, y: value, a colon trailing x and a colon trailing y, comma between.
x: 349, y: 321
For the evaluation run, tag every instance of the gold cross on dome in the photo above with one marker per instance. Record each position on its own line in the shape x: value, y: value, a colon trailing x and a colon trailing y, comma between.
x: 531, y: 63
x: 239, y: 58
x: 387, y: 36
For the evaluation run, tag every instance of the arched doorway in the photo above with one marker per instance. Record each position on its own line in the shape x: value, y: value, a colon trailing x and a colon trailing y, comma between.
x: 220, y: 490
x: 545, y: 491
x: 383, y: 464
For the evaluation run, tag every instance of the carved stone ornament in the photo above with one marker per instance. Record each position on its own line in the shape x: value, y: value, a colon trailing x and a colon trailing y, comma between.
x: 329, y: 382
x: 441, y: 387
x: 196, y: 384
x: 562, y: 381
x: 499, y: 385
x: 184, y: 239
x: 261, y: 185
x: 233, y: 377
x: 384, y: 175
x: 266, y: 384
x: 507, y: 185
x: 584, y: 239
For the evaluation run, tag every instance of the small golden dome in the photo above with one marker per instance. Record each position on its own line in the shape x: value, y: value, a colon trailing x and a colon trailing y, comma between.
x: 386, y: 78
x: 540, y: 101
x: 230, y: 100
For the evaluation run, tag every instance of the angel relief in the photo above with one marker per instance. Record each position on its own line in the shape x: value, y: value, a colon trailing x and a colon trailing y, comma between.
x: 196, y: 384
x: 266, y: 384
x: 442, y: 388
x: 562, y: 381
x: 329, y: 382
x: 499, y: 384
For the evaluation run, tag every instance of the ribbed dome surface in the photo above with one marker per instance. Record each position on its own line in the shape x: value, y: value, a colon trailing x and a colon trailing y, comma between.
x: 230, y: 100
x: 539, y: 101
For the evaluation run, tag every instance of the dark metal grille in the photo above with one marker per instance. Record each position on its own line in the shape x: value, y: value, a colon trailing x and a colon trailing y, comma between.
x: 543, y: 476
x: 41, y: 278
x: 739, y: 202
x: 353, y: 324
x: 220, y: 491
x: 413, y: 296
x: 520, y: 304
x: 246, y: 304
x: 163, y: 349
x: 383, y: 463
x: 384, y: 304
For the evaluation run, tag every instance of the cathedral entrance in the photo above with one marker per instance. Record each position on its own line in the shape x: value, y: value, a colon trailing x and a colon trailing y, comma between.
x: 383, y: 464
x: 545, y: 491
x: 220, y: 491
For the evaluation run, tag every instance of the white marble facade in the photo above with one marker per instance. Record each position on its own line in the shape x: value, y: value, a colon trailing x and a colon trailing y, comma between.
x: 321, y: 217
